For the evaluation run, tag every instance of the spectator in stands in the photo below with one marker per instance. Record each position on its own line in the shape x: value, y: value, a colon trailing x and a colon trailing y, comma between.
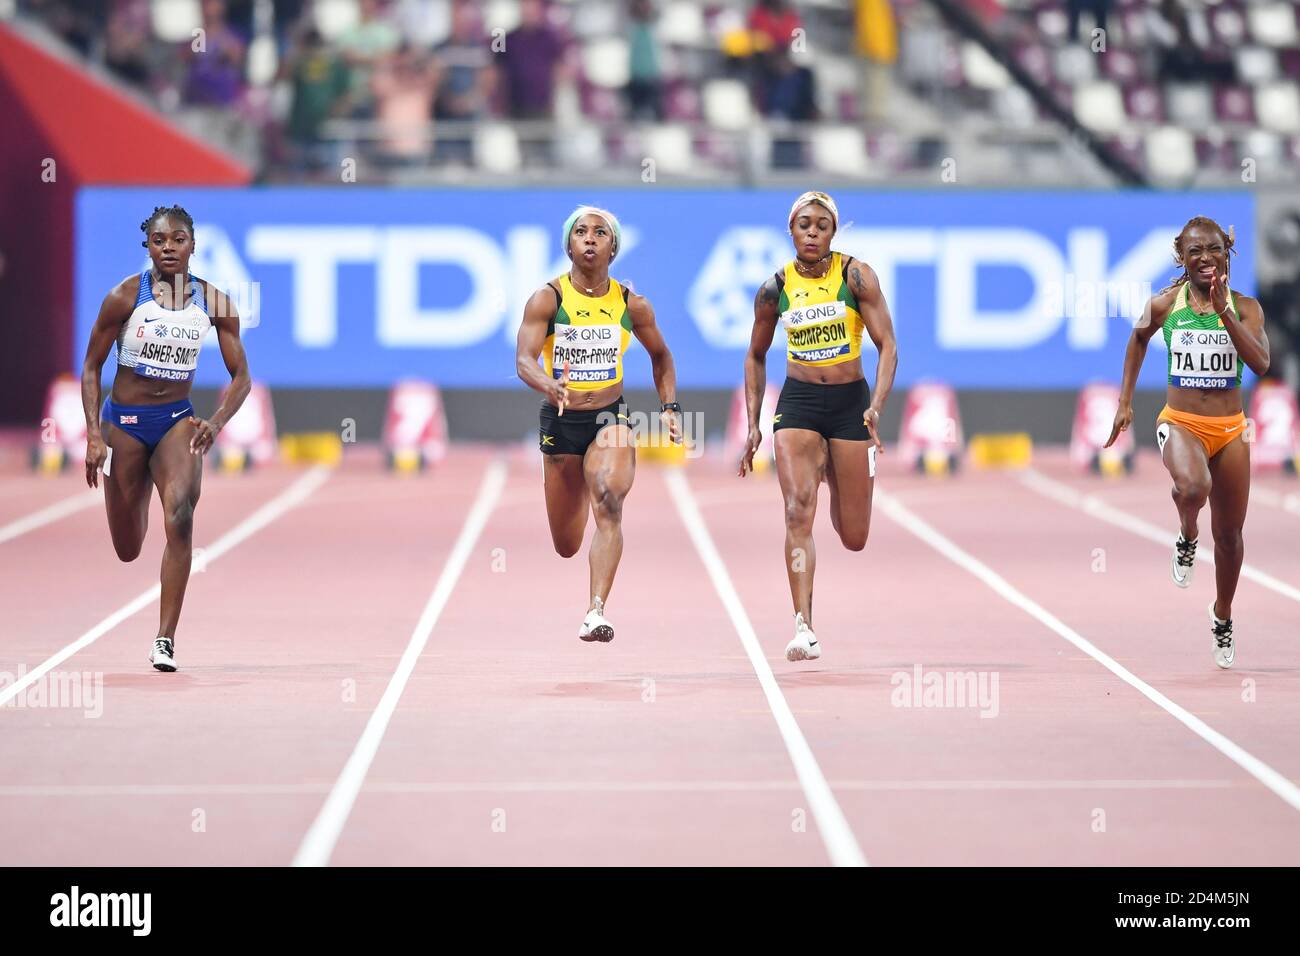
x: 126, y: 41
x: 531, y: 63
x: 468, y: 78
x: 79, y: 23
x: 1098, y: 8
x: 644, y: 87
x: 403, y: 86
x: 320, y: 83
x: 215, y: 75
x: 792, y: 93
x: 876, y: 35
x: 1182, y: 35
x: 363, y: 47
x: 772, y: 25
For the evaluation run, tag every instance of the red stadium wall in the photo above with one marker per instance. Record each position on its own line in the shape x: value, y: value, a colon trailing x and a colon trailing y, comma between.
x: 51, y: 110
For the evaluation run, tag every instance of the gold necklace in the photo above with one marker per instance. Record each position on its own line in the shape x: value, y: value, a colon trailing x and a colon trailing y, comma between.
x: 590, y: 292
x: 826, y: 259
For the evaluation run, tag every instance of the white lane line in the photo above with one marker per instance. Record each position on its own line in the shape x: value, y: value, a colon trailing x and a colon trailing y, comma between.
x: 1280, y: 785
x: 293, y: 495
x: 1094, y: 506
x: 318, y: 843
x: 840, y: 842
x: 49, y: 515
x: 598, y: 786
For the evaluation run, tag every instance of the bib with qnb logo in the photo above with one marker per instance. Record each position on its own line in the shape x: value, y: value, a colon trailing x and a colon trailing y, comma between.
x: 1201, y: 353
x: 164, y: 343
x: 591, y: 334
x: 820, y: 316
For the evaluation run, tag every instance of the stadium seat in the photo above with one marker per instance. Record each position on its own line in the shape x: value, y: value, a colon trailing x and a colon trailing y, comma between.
x: 1261, y: 146
x: 1278, y: 107
x: 334, y: 17
x: 981, y: 70
x: 840, y: 150
x: 1227, y: 27
x: 1121, y: 66
x: 670, y: 146
x: 1234, y: 104
x: 1100, y: 107
x: 174, y: 21
x: 581, y: 148
x: 1015, y: 107
x: 1255, y: 64
x: 1188, y: 104
x: 837, y: 76
x: 596, y: 18
x: 1076, y: 65
x: 1144, y: 103
x: 496, y: 148
x: 605, y: 61
x: 1274, y: 24
x: 682, y: 24
x: 727, y: 105
x: 1170, y: 154
x: 1034, y: 60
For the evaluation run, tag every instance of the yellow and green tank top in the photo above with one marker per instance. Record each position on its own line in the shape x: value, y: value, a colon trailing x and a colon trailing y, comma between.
x: 820, y: 316
x: 1201, y: 353
x: 591, y: 333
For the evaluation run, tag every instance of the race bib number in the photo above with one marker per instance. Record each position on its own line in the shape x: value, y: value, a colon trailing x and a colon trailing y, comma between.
x: 1203, y: 359
x: 817, y: 332
x: 592, y: 352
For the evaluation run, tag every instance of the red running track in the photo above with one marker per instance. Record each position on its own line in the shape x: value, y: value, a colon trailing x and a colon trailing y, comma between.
x: 514, y: 743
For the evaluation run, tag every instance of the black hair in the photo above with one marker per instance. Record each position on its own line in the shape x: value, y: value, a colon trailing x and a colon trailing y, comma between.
x: 1229, y: 242
x: 175, y: 212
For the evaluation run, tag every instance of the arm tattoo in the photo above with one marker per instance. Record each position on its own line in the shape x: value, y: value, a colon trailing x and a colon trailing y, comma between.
x: 767, y: 294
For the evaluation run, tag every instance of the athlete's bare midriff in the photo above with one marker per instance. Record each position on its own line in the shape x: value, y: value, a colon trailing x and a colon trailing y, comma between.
x: 850, y: 371
x: 1213, y: 402
x: 596, y: 398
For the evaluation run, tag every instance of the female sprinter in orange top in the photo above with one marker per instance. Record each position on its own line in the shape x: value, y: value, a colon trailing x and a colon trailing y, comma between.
x: 827, y: 418
x: 581, y: 323
x: 1211, y: 332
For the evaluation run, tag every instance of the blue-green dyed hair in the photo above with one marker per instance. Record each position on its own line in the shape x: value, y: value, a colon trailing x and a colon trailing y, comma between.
x: 605, y: 214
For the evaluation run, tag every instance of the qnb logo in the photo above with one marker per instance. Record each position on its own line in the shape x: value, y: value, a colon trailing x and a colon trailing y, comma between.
x: 577, y: 333
x: 74, y: 909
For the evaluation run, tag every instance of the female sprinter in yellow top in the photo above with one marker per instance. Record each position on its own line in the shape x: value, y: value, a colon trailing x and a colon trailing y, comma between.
x: 1210, y: 331
x: 581, y: 324
x: 827, y: 419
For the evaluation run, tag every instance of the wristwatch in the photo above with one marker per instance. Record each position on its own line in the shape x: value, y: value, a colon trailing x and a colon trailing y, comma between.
x: 672, y: 407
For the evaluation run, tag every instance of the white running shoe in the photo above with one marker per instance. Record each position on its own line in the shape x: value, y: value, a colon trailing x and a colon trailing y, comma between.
x: 1225, y: 651
x: 161, y: 658
x: 1180, y: 567
x: 804, y: 647
x: 595, y: 626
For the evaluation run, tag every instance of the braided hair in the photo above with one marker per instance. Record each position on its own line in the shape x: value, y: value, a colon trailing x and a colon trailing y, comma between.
x: 1229, y: 242
x: 175, y: 212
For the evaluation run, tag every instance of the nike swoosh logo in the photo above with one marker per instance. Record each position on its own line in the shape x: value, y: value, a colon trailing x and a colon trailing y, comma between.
x: 178, y: 414
x: 1182, y: 322
x: 154, y: 319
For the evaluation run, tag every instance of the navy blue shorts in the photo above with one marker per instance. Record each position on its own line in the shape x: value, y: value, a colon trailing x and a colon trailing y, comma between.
x: 147, y: 423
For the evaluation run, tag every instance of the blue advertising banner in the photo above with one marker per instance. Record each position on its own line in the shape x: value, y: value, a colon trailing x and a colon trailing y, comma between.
x: 354, y: 286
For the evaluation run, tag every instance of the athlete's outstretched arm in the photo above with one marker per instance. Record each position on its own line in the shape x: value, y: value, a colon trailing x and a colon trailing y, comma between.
x: 648, y: 333
x: 760, y: 340
x: 865, y: 285
x: 226, y: 319
x: 1153, y: 318
x: 538, y: 313
x: 115, y: 309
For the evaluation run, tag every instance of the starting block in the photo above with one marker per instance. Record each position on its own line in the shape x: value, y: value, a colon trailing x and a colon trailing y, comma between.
x: 738, y: 428
x: 1011, y: 450
x: 1274, y: 428
x: 415, y: 427
x: 63, y: 427
x: 1094, y: 417
x: 249, y: 438
x: 311, y: 448
x: 930, y: 438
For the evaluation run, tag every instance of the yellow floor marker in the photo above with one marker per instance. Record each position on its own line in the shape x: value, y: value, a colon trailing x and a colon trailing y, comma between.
x: 311, y: 448
x: 1011, y: 450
